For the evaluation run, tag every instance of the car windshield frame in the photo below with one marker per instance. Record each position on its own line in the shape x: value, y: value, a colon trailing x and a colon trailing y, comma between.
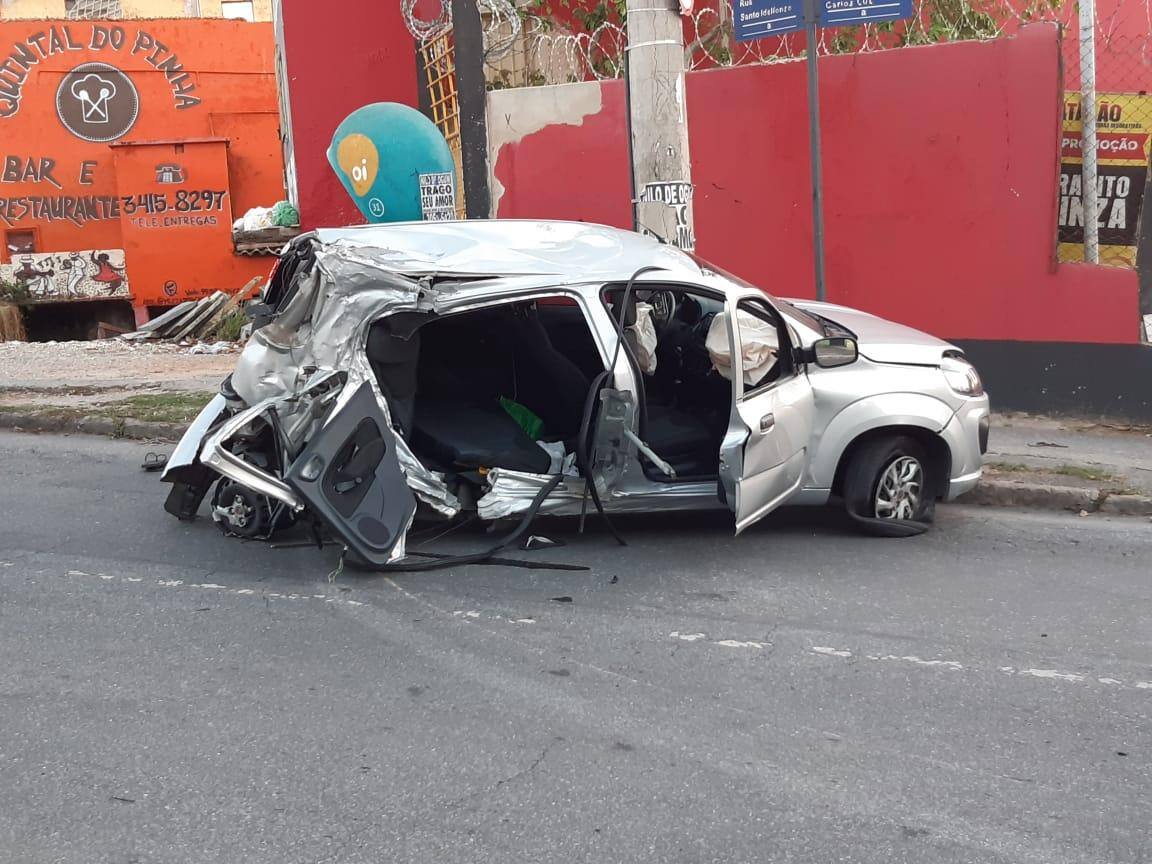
x: 813, y: 322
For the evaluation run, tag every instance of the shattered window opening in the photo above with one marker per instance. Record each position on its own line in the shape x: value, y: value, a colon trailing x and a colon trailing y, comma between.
x: 499, y: 386
x: 684, y: 403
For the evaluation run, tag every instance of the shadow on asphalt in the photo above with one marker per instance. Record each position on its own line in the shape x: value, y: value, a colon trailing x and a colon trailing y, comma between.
x: 650, y: 539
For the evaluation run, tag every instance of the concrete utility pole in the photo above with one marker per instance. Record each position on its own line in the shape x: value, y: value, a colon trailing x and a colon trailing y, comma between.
x: 658, y: 120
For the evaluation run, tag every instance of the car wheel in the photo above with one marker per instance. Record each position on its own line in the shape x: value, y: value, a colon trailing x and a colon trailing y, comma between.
x: 888, y: 488
x: 239, y: 511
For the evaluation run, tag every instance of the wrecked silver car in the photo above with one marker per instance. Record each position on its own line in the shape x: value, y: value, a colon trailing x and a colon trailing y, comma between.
x: 505, y: 369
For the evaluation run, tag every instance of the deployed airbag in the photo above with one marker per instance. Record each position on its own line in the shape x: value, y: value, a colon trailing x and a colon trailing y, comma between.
x: 644, y: 342
x: 759, y: 345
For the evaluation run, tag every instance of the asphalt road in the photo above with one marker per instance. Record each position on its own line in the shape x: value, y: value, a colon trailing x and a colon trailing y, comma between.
x: 978, y: 694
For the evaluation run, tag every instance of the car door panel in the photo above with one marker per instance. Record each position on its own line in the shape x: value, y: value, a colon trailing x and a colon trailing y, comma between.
x: 765, y: 452
x: 349, y: 474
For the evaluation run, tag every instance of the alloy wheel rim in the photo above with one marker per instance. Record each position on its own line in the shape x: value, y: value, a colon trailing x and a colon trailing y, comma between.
x: 899, y: 490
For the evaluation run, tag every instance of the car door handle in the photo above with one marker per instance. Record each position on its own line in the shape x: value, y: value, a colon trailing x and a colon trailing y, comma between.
x: 767, y: 422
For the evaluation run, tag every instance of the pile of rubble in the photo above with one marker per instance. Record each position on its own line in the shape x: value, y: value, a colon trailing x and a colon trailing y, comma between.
x: 197, y: 320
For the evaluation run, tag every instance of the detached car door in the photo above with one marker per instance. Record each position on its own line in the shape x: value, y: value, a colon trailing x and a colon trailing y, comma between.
x: 350, y: 475
x: 765, y: 452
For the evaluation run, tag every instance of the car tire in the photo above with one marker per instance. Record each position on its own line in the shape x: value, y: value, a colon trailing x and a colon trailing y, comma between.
x: 889, y: 487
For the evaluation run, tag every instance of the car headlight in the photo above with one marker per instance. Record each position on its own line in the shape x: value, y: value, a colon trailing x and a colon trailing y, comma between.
x: 961, y: 376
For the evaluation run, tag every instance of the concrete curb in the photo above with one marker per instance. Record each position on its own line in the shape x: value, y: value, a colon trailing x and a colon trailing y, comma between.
x: 66, y: 422
x: 1127, y: 505
x: 995, y: 492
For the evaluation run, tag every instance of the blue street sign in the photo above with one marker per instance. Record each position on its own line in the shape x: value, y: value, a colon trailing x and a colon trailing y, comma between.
x: 841, y: 13
x: 756, y: 19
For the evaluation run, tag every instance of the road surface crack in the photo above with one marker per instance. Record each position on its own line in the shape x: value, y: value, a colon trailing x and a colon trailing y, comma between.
x: 499, y: 784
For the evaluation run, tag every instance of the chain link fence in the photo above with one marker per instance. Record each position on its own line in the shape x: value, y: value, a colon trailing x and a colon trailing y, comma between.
x: 1105, y: 141
x: 1107, y: 126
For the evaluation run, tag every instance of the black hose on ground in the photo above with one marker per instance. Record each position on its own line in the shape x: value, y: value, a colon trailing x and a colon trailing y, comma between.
x: 440, y: 563
x: 512, y: 562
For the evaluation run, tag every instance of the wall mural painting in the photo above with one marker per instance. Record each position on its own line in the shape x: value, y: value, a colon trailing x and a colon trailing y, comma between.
x: 93, y: 274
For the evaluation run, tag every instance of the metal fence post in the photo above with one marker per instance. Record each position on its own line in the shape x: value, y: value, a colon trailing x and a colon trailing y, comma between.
x: 468, y: 32
x: 1088, y: 130
x: 815, y: 156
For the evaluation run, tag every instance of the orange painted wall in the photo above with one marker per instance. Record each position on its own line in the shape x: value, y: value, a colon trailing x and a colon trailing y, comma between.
x: 193, y: 78
x: 169, y: 228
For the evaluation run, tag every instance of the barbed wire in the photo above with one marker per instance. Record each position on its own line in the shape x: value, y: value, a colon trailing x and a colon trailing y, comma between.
x: 503, y: 25
x: 425, y: 30
x: 524, y: 47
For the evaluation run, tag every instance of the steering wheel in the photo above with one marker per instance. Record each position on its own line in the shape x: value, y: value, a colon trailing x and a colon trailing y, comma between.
x: 697, y: 362
x: 663, y: 305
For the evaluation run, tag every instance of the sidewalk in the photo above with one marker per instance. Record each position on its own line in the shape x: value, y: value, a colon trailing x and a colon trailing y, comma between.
x: 1068, y: 464
x: 45, y: 372
x: 108, y: 387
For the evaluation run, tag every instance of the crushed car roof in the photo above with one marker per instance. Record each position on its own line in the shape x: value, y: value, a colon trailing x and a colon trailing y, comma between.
x: 510, y: 248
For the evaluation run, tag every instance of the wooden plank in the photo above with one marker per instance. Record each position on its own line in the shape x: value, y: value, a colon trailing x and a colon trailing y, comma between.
x: 104, y: 330
x: 171, y: 315
x: 12, y: 323
x: 265, y: 236
x: 233, y: 303
x: 204, y: 311
x: 174, y: 326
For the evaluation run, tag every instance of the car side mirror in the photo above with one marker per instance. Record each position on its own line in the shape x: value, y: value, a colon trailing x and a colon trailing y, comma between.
x: 835, y: 351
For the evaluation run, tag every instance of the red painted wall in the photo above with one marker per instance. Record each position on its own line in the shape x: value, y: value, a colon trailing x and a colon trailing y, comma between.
x: 586, y: 166
x: 941, y: 172
x: 335, y: 64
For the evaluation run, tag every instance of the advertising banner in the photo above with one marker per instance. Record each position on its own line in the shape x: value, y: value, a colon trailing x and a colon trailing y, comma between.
x: 1123, y: 129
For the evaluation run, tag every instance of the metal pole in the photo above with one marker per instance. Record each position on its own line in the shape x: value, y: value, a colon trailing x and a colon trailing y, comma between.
x: 472, y: 100
x: 631, y: 153
x: 813, y: 31
x: 287, y: 135
x: 1088, y: 130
